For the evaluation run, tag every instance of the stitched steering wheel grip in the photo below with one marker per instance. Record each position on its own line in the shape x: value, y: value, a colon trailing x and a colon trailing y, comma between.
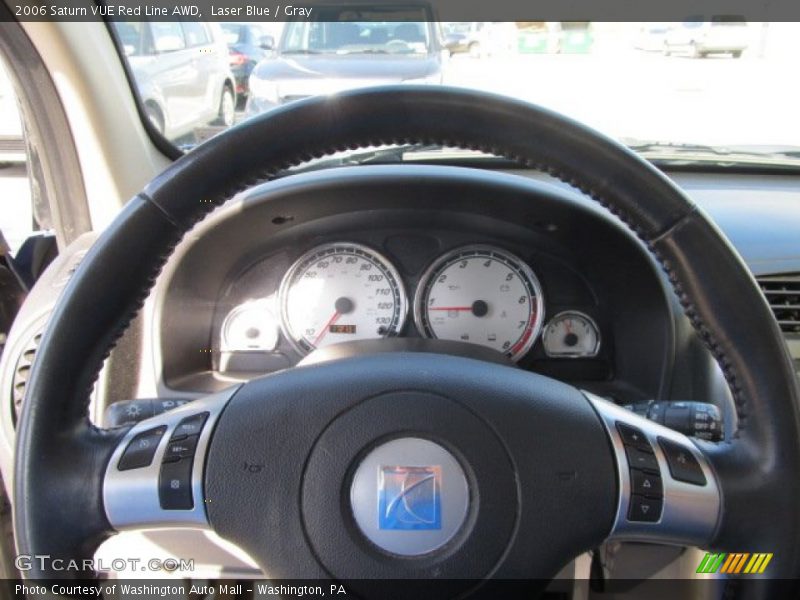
x: 757, y: 470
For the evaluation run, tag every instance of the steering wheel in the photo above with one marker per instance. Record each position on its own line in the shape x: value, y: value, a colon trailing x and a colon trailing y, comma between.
x: 410, y: 465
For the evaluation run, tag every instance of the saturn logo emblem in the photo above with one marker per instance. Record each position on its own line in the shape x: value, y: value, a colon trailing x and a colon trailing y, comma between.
x: 409, y: 497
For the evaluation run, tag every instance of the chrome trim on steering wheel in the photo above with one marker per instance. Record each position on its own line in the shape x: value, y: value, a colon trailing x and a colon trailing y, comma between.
x: 690, y: 513
x: 131, y: 497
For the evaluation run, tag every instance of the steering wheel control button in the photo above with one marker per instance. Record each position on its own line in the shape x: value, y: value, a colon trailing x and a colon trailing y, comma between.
x: 183, y: 448
x: 683, y: 466
x: 646, y: 484
x: 631, y: 436
x: 641, y: 460
x: 409, y: 496
x: 175, y: 485
x: 126, y: 412
x: 141, y: 449
x: 162, y: 406
x: 644, y: 509
x: 189, y: 426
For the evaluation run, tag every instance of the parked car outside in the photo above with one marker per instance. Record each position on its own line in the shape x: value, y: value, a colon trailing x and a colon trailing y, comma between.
x: 466, y: 37
x: 698, y: 38
x: 248, y: 43
x: 335, y: 54
x: 181, y: 72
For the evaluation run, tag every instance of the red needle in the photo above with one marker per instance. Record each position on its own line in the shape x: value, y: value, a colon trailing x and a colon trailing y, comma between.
x: 325, y: 329
x: 451, y: 308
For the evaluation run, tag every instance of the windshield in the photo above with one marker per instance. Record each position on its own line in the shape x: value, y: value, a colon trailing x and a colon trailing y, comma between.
x: 234, y: 33
x: 717, y: 88
x: 348, y: 37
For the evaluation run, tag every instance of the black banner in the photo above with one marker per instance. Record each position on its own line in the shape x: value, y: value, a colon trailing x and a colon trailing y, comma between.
x: 417, y: 589
x: 437, y: 10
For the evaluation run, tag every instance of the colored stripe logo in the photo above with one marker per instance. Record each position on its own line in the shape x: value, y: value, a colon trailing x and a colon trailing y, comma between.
x: 734, y: 563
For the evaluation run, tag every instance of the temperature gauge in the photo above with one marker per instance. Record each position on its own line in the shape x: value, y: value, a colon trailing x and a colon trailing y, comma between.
x: 571, y: 334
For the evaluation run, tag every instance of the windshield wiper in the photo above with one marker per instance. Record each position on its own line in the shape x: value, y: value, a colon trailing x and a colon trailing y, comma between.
x: 388, y: 155
x: 300, y: 51
x: 377, y: 156
x: 754, y: 154
x: 364, y: 51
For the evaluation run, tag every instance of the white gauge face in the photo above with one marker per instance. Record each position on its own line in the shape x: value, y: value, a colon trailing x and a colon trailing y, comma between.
x: 341, y: 293
x: 250, y: 327
x: 482, y: 295
x: 571, y: 334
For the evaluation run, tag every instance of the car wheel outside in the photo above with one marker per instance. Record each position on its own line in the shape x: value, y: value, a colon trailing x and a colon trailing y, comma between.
x: 241, y: 101
x: 227, y: 108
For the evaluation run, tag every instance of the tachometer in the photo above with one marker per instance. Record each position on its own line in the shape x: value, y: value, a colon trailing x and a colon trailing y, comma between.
x: 341, y: 292
x: 482, y: 295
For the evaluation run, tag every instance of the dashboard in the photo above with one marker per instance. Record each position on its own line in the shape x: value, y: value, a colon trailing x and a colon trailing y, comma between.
x: 214, y: 317
x: 527, y: 270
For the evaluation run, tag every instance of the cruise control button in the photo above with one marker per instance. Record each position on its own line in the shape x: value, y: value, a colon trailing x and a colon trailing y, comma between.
x: 683, y: 466
x: 633, y: 437
x: 175, y: 485
x: 190, y: 426
x: 141, y: 449
x: 641, y: 460
x: 645, y: 509
x: 646, y: 484
x: 178, y: 449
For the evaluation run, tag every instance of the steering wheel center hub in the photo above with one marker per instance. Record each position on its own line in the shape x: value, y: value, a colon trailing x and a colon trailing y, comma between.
x: 409, y: 496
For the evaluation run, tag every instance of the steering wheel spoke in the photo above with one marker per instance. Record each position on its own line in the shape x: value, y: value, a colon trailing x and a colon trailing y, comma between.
x: 667, y: 489
x: 155, y: 475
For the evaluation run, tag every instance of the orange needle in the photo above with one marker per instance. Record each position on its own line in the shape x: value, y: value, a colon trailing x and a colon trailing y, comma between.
x: 327, y: 327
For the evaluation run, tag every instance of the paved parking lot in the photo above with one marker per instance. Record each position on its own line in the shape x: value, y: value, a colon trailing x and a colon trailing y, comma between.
x: 715, y: 101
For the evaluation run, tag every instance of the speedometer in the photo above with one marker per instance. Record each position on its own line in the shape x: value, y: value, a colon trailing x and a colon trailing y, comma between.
x: 482, y: 295
x: 338, y: 293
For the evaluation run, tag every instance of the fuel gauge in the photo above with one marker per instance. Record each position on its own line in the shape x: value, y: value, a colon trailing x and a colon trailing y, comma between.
x: 571, y: 334
x: 250, y: 327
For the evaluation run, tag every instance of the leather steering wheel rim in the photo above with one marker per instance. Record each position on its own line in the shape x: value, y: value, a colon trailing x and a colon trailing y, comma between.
x: 757, y: 468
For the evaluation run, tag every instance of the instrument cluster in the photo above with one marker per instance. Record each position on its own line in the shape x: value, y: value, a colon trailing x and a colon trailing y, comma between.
x: 345, y: 291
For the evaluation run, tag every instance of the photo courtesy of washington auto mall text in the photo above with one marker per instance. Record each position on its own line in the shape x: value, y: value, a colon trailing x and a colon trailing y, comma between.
x: 153, y: 589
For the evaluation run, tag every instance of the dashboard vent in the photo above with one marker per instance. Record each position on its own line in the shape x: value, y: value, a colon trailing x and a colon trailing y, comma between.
x: 22, y: 372
x: 783, y: 295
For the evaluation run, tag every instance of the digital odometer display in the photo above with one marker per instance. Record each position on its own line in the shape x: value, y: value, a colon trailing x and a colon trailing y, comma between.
x: 341, y: 292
